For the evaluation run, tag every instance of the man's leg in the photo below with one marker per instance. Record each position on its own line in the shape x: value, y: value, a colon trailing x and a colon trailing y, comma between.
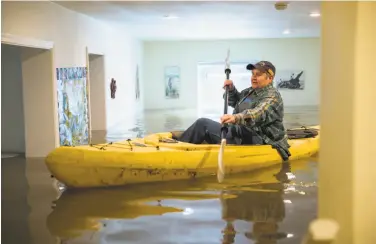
x: 249, y: 137
x: 204, y: 129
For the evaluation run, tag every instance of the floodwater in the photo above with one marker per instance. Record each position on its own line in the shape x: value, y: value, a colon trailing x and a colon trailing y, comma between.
x: 272, y: 205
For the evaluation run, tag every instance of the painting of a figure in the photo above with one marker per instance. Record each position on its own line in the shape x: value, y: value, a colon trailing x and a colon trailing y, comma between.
x: 290, y: 79
x: 172, y: 82
x: 72, y: 106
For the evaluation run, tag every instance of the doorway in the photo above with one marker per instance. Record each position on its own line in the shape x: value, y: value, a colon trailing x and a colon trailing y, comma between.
x: 28, y: 112
x: 210, y: 90
x: 12, y: 109
x: 97, y: 96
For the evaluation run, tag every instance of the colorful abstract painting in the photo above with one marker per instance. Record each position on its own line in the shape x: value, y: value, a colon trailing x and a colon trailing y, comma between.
x: 72, y: 106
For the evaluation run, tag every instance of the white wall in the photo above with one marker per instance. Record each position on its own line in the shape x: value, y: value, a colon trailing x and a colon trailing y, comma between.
x: 12, y: 111
x: 71, y: 33
x: 284, y: 53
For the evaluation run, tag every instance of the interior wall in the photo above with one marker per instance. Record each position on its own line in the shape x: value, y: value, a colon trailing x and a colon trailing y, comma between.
x: 285, y: 54
x: 39, y: 102
x: 12, y: 110
x: 71, y: 34
x: 97, y: 94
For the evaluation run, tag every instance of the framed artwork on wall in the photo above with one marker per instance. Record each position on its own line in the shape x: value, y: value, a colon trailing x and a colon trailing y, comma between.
x: 72, y: 106
x: 172, y: 82
x: 290, y: 79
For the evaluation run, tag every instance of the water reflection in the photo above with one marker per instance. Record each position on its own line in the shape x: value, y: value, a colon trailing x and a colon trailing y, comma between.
x: 264, y: 206
x: 253, y: 201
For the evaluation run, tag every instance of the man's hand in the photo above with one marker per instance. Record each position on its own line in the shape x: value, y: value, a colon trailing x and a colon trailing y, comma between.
x: 228, y: 119
x: 228, y: 83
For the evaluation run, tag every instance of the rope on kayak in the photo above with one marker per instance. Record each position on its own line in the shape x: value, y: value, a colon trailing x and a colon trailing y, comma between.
x: 128, y: 145
x: 102, y: 147
x: 111, y: 145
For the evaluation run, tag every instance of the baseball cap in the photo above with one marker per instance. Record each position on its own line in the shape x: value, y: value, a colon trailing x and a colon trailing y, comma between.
x: 263, y: 66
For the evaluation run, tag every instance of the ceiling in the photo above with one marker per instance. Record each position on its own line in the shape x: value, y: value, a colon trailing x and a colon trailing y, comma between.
x: 203, y: 20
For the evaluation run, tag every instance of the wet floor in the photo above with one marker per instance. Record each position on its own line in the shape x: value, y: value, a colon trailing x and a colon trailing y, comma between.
x: 272, y: 205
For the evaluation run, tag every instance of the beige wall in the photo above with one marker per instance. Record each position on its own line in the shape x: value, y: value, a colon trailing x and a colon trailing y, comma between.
x: 284, y: 53
x: 97, y: 85
x: 38, y: 101
x: 347, y: 166
x: 71, y: 33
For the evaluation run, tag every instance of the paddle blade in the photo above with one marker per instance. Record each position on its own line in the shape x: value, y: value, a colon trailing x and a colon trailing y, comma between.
x: 227, y: 60
x: 221, y: 167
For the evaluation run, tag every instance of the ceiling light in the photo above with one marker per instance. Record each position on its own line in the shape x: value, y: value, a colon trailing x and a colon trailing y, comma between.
x: 286, y: 32
x: 314, y: 14
x: 280, y: 5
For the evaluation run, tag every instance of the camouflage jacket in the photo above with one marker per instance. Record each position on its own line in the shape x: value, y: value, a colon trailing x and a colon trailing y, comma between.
x: 262, y: 115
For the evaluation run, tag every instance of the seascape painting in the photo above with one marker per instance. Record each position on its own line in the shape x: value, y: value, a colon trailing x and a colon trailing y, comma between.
x: 172, y: 82
x: 72, y: 106
x: 290, y: 79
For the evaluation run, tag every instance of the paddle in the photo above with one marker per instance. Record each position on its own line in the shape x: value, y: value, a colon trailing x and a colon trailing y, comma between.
x: 224, y: 129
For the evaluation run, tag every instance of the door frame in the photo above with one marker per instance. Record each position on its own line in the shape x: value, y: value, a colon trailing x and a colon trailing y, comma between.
x: 21, y: 41
x: 88, y: 92
x: 90, y: 51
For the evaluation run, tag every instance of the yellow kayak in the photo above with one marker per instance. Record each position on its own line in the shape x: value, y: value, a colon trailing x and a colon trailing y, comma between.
x: 158, y: 157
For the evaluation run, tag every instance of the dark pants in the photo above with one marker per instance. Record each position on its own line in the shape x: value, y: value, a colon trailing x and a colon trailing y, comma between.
x: 210, y: 131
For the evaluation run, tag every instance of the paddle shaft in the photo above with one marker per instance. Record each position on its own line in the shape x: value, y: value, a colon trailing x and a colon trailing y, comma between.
x: 226, y: 93
x: 224, y: 127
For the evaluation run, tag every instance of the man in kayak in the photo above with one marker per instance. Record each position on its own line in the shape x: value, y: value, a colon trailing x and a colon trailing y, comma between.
x: 257, y: 117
